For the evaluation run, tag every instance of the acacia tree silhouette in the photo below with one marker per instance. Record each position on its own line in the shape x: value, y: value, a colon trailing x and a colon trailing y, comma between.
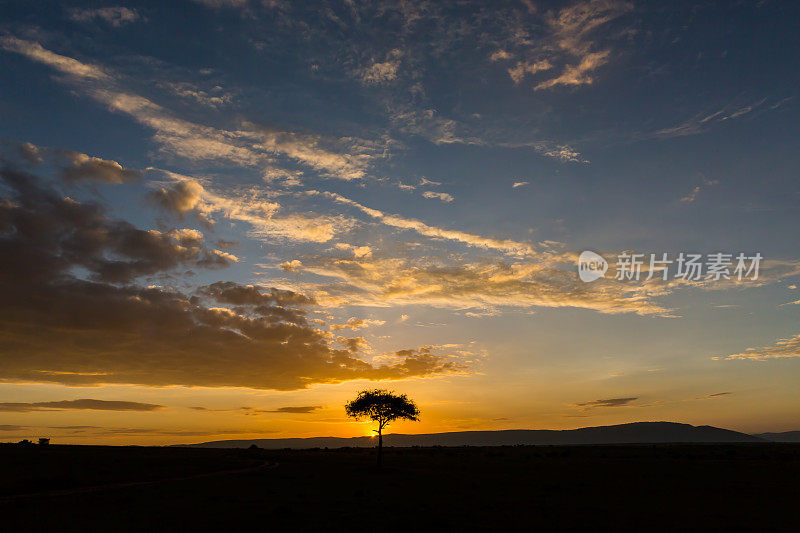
x: 382, y: 406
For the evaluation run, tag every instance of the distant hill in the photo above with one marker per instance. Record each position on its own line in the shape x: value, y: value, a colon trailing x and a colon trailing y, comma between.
x: 786, y: 436
x: 634, y: 433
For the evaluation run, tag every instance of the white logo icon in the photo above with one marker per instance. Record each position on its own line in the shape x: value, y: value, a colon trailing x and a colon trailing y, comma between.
x: 591, y: 266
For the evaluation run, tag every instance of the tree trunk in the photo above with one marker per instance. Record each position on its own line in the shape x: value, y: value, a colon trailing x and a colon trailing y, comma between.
x: 380, y: 446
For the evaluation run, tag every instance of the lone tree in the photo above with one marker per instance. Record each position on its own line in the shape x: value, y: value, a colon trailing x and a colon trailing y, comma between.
x: 382, y: 406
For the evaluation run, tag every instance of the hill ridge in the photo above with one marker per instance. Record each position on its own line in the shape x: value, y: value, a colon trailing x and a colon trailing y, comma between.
x: 629, y: 433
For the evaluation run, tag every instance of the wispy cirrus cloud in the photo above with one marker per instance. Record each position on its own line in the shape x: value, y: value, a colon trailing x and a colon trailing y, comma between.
x: 504, y: 245
x: 441, y: 130
x: 63, y: 64
x: 250, y: 145
x: 481, y: 285
x: 784, y: 348
x: 568, y: 53
x: 705, y: 120
x: 578, y: 74
x: 183, y: 195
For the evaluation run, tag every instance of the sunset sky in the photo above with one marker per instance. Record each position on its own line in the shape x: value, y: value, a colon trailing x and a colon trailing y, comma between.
x: 221, y: 219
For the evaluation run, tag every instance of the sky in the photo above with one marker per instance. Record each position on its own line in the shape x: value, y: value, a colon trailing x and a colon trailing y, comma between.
x: 221, y: 219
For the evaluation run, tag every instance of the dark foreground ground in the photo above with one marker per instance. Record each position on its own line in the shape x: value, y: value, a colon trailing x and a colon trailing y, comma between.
x: 743, y: 487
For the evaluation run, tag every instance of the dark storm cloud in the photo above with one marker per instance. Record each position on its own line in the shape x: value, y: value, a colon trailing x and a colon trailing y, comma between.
x: 236, y: 294
x: 45, y: 234
x: 269, y: 303
x: 71, y: 313
x: 82, y: 404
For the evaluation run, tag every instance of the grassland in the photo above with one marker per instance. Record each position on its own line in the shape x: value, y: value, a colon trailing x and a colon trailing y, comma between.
x: 737, y: 487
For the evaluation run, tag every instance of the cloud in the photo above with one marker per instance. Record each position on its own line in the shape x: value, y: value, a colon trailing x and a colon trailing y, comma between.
x: 275, y: 304
x: 354, y: 344
x: 479, y: 285
x: 382, y: 72
x: 72, y: 313
x: 397, y: 221
x: 95, y: 431
x: 718, y: 394
x: 82, y: 404
x: 309, y: 150
x: 358, y: 251
x: 247, y: 146
x: 573, y: 25
x: 579, y: 74
x: 180, y: 197
x: 568, y: 46
x: 213, y: 98
x: 610, y: 402
x: 81, y: 167
x: 63, y: 64
x: 182, y: 194
x: 704, y: 121
x: 302, y: 409
x: 74, y: 166
x: 522, y: 68
x: 284, y: 177
x: 520, y: 184
x: 783, y: 348
x: 49, y: 233
x: 354, y: 324
x: 30, y: 153
x: 500, y: 55
x: 706, y: 183
x: 562, y: 153
x: 233, y: 293
x: 218, y: 4
x: 429, y: 124
x: 443, y: 196
x: 291, y: 266
x: 115, y: 16
x: 692, y: 196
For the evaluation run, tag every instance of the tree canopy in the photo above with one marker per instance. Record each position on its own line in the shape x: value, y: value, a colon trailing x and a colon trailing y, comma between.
x: 382, y: 406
